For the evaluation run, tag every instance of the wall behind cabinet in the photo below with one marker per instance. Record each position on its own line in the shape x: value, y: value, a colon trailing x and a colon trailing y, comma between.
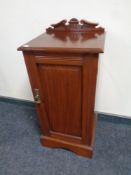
x: 20, y: 21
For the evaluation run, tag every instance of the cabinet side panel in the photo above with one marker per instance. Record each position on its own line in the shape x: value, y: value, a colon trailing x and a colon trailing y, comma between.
x: 62, y: 94
x: 89, y: 85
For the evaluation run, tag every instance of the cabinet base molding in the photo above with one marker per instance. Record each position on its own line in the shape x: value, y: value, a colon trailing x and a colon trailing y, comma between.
x: 79, y: 149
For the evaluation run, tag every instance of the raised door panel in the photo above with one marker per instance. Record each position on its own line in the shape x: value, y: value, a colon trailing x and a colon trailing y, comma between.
x: 62, y: 92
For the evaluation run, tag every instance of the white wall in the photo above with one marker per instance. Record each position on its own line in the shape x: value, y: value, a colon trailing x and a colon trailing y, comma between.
x: 21, y: 20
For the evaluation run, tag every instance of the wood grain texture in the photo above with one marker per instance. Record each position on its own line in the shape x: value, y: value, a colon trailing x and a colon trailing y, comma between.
x: 79, y: 149
x: 75, y: 37
x: 62, y: 65
x: 35, y: 84
x: 53, y: 60
x: 89, y: 84
x: 74, y: 25
x: 59, y: 44
x: 62, y: 91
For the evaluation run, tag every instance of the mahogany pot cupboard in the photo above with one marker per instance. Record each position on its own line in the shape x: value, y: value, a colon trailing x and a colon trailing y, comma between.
x: 62, y: 68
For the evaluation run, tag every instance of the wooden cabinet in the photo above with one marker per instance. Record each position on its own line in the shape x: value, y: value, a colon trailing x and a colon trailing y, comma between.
x: 62, y: 67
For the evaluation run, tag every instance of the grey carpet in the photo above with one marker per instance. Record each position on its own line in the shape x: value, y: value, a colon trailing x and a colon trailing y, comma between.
x: 22, y: 154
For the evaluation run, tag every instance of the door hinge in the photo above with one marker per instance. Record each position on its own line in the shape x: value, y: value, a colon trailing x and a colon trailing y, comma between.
x: 37, y: 96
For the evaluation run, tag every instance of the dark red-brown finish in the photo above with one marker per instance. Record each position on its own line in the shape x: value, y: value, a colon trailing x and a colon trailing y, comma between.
x: 74, y: 25
x: 62, y: 65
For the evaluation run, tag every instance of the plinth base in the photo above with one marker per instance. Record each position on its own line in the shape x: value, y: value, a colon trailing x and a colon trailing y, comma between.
x: 79, y: 149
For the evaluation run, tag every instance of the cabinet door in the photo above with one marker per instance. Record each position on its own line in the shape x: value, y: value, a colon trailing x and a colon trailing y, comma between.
x: 61, y: 88
x: 60, y: 80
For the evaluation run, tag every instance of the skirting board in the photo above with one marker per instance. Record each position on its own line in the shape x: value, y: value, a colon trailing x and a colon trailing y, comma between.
x: 17, y: 101
x: 32, y: 104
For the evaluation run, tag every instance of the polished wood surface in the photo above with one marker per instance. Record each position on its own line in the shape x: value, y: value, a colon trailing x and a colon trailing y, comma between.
x: 74, y: 25
x: 62, y: 92
x: 86, y: 38
x: 62, y: 67
x: 51, y: 43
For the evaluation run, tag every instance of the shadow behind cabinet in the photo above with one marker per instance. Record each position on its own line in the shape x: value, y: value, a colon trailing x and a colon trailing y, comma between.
x: 62, y: 67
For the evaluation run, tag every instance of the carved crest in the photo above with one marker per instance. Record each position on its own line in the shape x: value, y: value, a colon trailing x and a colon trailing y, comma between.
x: 75, y: 25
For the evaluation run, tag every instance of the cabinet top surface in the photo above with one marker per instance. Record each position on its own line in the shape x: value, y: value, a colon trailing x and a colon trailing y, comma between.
x: 74, y: 40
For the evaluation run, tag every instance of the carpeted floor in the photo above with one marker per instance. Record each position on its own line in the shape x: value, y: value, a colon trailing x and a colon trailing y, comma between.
x: 22, y: 154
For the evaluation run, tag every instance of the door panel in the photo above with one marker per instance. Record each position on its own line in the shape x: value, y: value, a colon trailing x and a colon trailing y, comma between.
x: 61, y: 86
